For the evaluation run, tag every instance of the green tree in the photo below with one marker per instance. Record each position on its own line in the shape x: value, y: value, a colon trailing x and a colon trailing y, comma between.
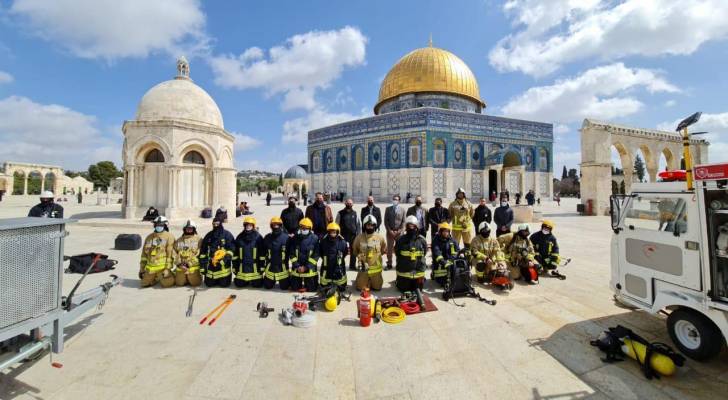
x: 280, y: 180
x: 101, y: 174
x: 622, y: 188
x: 563, y: 173
x: 639, y: 168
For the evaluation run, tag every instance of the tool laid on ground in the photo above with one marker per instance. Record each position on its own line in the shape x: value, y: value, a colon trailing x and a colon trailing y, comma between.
x: 393, y: 315
x: 554, y: 273
x: 219, y: 309
x: 191, y: 302
x: 263, y: 309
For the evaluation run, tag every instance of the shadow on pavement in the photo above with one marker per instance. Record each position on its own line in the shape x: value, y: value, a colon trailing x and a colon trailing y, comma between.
x: 96, y: 214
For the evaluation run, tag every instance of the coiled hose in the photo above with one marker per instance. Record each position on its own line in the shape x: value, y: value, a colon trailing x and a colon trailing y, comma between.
x: 307, y: 320
x: 410, y: 307
x: 393, y: 315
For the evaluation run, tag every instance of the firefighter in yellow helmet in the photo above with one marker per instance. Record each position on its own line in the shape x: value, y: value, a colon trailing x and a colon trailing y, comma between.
x: 216, y: 255
x: 303, y: 256
x: 276, y: 256
x: 522, y: 255
x: 486, y: 254
x: 547, y: 249
x: 157, y: 256
x: 249, y: 259
x: 333, y: 248
x: 444, y: 251
x: 368, y: 249
x: 461, y: 215
x: 187, y: 251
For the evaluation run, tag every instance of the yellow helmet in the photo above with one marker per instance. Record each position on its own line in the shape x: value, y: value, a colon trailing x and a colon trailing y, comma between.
x: 276, y: 220
x: 250, y: 220
x: 548, y: 223
x: 331, y: 303
x: 306, y: 223
x: 333, y: 226
x: 444, y: 225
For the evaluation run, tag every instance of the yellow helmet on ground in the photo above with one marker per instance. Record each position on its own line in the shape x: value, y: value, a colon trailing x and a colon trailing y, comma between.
x: 444, y: 225
x: 331, y: 303
x: 250, y: 220
x: 333, y: 226
x: 276, y: 220
x: 306, y: 223
x: 548, y: 223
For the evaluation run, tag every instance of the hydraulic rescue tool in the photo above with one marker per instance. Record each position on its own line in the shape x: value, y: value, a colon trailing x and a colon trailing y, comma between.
x: 263, y: 309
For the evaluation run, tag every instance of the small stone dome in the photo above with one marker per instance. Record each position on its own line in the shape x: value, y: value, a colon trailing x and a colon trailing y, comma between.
x: 295, y: 172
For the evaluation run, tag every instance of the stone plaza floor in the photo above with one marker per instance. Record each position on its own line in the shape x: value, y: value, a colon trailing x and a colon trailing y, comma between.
x: 534, y: 344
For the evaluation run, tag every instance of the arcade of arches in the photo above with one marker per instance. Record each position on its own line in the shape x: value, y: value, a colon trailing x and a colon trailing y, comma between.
x: 32, y: 179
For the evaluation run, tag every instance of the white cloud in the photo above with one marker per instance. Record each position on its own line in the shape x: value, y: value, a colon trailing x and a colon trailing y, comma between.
x: 5, y: 77
x: 296, y: 130
x: 274, y: 162
x: 557, y: 32
x: 717, y: 127
x: 670, y: 103
x: 297, y: 69
x: 245, y: 142
x: 600, y: 92
x: 52, y: 134
x: 560, y: 129
x: 111, y: 29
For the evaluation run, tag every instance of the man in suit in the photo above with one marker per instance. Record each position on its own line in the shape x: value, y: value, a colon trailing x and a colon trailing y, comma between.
x: 419, y: 212
x: 437, y: 215
x: 371, y: 209
x: 394, y: 217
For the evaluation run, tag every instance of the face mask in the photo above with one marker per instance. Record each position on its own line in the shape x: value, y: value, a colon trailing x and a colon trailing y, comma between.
x: 485, y: 234
x: 370, y: 203
x: 545, y: 231
x: 189, y: 231
x: 349, y: 206
x: 333, y: 235
x: 418, y: 203
x: 291, y: 204
x: 438, y: 204
x: 276, y: 229
x: 158, y: 229
x: 248, y: 228
x: 411, y: 231
x: 445, y: 235
x: 369, y: 230
x: 395, y: 202
x: 215, y: 226
x: 523, y: 234
x: 305, y: 232
x: 504, y: 203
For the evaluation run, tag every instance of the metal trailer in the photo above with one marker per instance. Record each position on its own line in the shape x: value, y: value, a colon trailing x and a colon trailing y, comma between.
x: 31, y: 276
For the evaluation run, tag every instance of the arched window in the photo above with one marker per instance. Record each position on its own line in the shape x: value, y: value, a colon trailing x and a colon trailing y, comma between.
x: 358, y: 158
x: 415, y: 149
x: 543, y: 160
x: 459, y: 153
x: 375, y: 156
x: 438, y: 152
x: 476, y: 155
x: 316, y: 161
x: 394, y: 154
x: 343, y: 163
x: 154, y: 156
x: 193, y: 157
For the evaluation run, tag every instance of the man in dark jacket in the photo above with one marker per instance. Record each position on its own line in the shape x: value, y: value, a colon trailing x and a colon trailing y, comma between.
x: 216, y: 255
x: 437, y: 215
x: 419, y: 212
x: 503, y: 217
x: 350, y: 225
x: 320, y: 214
x: 46, y: 208
x: 530, y: 198
x: 268, y: 198
x: 482, y: 213
x: 291, y: 217
x: 371, y: 209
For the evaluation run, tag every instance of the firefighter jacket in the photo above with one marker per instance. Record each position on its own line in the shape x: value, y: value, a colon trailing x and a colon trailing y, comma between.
x: 368, y: 249
x: 249, y: 258
x: 187, y: 251
x: 444, y: 250
x: 547, y: 249
x: 411, y: 250
x: 157, y: 252
x: 333, y: 265
x: 303, y: 252
x: 461, y: 213
x: 276, y: 259
x: 216, y: 253
x: 520, y: 249
x: 485, y: 250
x: 46, y: 210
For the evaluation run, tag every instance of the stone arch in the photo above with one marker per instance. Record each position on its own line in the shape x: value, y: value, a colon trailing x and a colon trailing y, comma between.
x: 19, y: 182
x: 316, y: 161
x: 226, y: 158
x: 476, y: 155
x: 35, y: 182
x: 414, y: 152
x: 671, y: 160
x: 512, y: 159
x: 207, y: 151
x: 146, y: 143
x: 357, y: 157
x: 342, y: 159
x: 543, y: 160
x: 458, y: 153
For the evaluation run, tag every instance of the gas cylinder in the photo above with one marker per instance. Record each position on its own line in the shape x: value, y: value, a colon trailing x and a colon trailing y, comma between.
x: 364, y: 305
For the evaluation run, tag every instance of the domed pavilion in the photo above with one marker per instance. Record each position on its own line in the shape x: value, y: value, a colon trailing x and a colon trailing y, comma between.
x: 177, y: 155
x: 429, y: 136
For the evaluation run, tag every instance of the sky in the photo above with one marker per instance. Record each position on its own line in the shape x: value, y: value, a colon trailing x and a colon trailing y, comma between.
x: 72, y: 71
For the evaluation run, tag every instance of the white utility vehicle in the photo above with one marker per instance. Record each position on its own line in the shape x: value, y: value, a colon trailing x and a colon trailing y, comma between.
x: 669, y: 252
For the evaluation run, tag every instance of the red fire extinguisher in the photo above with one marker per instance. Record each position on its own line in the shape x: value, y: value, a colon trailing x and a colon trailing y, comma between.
x: 364, y: 305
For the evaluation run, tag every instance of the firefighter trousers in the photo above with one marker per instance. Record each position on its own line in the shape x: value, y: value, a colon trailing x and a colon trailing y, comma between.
x: 310, y: 284
x: 256, y: 283
x: 284, y: 283
x: 373, y: 281
x: 151, y: 279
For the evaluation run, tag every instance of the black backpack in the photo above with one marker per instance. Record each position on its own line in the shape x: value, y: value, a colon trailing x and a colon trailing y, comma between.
x: 459, y: 282
x: 80, y: 263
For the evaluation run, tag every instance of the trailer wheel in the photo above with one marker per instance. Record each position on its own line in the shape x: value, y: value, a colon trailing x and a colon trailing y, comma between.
x: 694, y: 334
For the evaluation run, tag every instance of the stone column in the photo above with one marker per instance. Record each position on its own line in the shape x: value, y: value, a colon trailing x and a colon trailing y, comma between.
x: 468, y: 175
x: 215, y: 187
x: 522, y: 188
x: 42, y: 183
x: 25, y: 185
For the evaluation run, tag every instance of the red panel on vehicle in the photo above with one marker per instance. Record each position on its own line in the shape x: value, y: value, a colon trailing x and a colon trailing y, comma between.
x: 711, y: 172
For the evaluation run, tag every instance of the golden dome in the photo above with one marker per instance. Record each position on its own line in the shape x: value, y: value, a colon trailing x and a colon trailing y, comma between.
x: 429, y: 69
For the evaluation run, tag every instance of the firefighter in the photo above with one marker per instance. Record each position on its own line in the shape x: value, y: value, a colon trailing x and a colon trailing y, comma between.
x: 276, y: 264
x: 216, y: 255
x: 304, y: 254
x: 485, y: 253
x: 187, y: 251
x: 411, y: 249
x: 444, y: 251
x: 461, y: 213
x: 521, y: 254
x: 249, y: 258
x: 333, y: 248
x: 157, y: 256
x: 547, y: 249
x: 368, y: 248
x: 47, y: 208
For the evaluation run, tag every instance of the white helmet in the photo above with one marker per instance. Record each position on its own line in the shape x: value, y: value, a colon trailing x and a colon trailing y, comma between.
x: 161, y: 220
x: 483, y: 225
x: 412, y: 220
x: 46, y: 195
x: 369, y: 219
x: 189, y: 224
x: 522, y: 227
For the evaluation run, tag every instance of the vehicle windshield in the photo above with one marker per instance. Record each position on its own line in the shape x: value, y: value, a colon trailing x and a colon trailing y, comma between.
x: 665, y: 214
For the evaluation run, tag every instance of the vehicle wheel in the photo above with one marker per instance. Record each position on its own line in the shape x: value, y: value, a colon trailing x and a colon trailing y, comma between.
x: 694, y: 334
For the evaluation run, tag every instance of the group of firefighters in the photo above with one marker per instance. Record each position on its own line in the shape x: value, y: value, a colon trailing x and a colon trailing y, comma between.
x: 305, y: 258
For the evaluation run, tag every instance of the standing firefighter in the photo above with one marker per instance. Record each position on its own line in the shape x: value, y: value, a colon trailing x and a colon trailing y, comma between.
x: 461, y: 214
x: 216, y: 255
x: 368, y: 248
x: 547, y: 249
x: 485, y: 253
x: 444, y: 250
x: 276, y: 264
x: 157, y: 256
x: 333, y: 248
x: 249, y: 259
x: 411, y: 249
x: 522, y: 255
x: 187, y: 251
x: 304, y: 254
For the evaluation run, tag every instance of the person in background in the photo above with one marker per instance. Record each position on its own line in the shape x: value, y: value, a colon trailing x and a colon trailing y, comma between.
x: 268, y: 198
x: 291, y: 216
x: 305, y: 198
x: 47, y: 208
x: 187, y: 252
x: 151, y: 214
x: 373, y: 210
x: 481, y: 214
x: 80, y: 198
x: 503, y: 217
x: 216, y: 255
x: 518, y: 198
x: 350, y: 225
x: 493, y: 197
x: 320, y: 214
x: 437, y: 215
x: 394, y: 217
x: 419, y: 212
x: 530, y: 198
x: 221, y: 214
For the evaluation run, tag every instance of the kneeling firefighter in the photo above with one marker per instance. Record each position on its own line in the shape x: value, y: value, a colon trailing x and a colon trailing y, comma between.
x: 547, y: 249
x: 187, y: 251
x: 411, y: 249
x: 216, y: 255
x: 276, y: 261
x: 249, y: 259
x: 333, y: 249
x: 368, y: 249
x: 304, y: 254
x: 486, y: 253
x: 522, y: 256
x: 444, y: 250
x: 157, y: 256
